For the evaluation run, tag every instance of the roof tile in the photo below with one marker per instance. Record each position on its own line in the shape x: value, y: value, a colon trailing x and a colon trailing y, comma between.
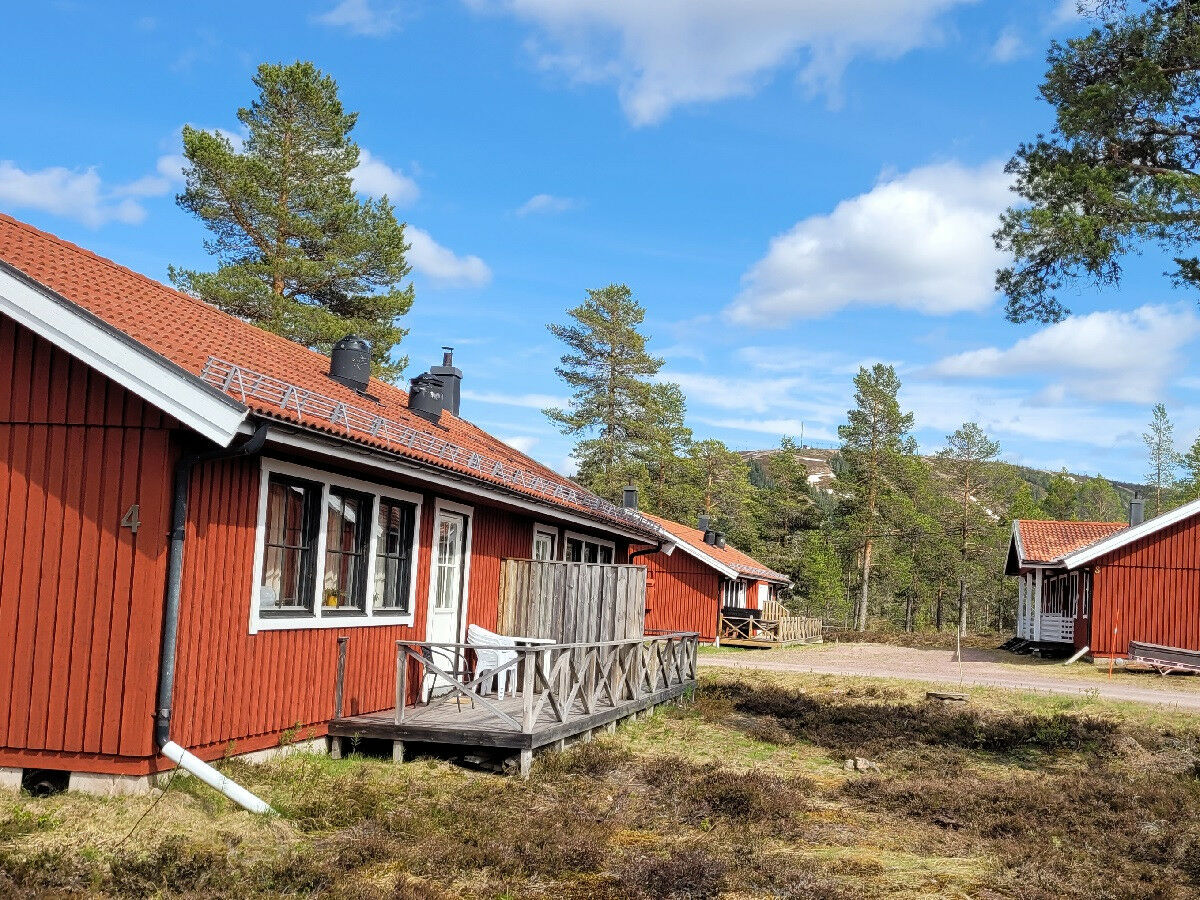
x: 1045, y: 542
x: 727, y: 555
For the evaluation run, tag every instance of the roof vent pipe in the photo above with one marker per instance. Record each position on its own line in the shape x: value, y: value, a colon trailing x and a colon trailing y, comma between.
x: 451, y: 378
x: 350, y: 362
x: 719, y: 540
x: 1137, y: 509
x: 425, y: 396
x: 629, y: 499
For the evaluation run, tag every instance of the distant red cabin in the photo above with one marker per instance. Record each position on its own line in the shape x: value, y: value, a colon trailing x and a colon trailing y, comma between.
x: 687, y: 589
x: 356, y: 517
x: 1101, y: 585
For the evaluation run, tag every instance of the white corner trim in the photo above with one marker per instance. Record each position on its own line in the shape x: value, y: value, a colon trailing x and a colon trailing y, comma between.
x: 317, y: 619
x: 1129, y: 535
x: 114, y: 354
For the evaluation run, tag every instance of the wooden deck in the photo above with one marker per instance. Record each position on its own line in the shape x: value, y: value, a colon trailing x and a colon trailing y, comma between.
x: 769, y: 633
x: 562, y: 691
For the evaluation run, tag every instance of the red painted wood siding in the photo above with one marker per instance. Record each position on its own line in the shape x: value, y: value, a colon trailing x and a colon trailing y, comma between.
x: 681, y: 595
x: 80, y: 596
x: 1149, y: 591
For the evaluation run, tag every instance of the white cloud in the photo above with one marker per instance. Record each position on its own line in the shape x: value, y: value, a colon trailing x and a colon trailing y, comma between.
x: 77, y: 194
x: 363, y: 17
x: 1008, y: 47
x: 671, y: 52
x: 442, y: 265
x: 526, y: 401
x: 373, y: 177
x: 778, y: 427
x: 919, y: 241
x: 521, y: 443
x: 546, y: 204
x: 1067, y: 11
x: 1102, y: 356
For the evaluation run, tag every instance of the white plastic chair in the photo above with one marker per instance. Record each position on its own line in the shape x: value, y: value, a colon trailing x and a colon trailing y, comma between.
x: 488, y: 659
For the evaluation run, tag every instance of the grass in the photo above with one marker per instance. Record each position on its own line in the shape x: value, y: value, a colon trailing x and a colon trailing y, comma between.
x: 741, y: 794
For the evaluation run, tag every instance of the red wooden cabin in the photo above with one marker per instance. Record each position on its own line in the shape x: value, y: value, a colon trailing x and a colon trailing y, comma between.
x: 1101, y: 585
x: 308, y: 508
x: 688, y: 588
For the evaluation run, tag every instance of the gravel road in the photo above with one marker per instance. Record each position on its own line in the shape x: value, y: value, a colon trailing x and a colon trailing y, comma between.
x: 979, y: 667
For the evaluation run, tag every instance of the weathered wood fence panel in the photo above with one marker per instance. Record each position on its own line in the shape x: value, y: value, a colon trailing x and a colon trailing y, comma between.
x: 571, y: 602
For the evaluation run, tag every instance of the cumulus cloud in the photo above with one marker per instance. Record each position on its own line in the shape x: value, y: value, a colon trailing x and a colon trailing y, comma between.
x: 919, y: 241
x: 1008, y: 47
x: 373, y: 177
x: 363, y: 17
x: 672, y: 52
x: 441, y: 264
x: 78, y: 194
x: 545, y: 204
x: 1110, y: 356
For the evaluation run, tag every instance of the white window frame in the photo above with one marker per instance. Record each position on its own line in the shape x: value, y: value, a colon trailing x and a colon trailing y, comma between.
x: 550, y: 531
x: 468, y: 513
x: 341, y: 619
x: 587, y: 538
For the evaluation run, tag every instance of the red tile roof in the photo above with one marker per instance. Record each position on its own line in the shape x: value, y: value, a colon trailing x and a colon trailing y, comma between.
x: 734, y: 559
x: 1044, y: 542
x: 191, y: 334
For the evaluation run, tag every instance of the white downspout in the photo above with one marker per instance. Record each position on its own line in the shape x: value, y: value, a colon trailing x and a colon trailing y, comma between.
x: 214, y: 779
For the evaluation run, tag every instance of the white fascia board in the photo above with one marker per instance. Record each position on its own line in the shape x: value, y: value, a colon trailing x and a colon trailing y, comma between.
x: 725, y: 570
x: 1129, y: 535
x: 379, y: 459
x: 111, y: 352
x: 1016, y: 536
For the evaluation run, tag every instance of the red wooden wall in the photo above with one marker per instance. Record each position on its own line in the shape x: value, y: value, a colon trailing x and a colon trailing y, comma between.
x: 681, y: 595
x: 1149, y: 591
x: 80, y: 596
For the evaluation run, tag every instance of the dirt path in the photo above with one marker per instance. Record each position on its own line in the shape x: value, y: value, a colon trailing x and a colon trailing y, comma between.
x: 979, y: 667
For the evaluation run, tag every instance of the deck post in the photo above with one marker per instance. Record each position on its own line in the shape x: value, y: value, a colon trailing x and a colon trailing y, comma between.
x: 401, y: 681
x: 398, y: 751
x: 335, y: 746
x: 525, y: 762
x: 339, y: 689
x: 530, y: 659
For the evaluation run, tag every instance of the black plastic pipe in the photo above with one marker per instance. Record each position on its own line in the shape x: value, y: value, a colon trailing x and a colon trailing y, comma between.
x: 174, y: 590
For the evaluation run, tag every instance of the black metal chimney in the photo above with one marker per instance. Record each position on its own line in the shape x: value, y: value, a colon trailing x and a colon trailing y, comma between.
x: 350, y: 362
x: 703, y: 523
x: 425, y: 396
x: 451, y: 378
x: 1137, y: 509
x: 629, y: 498
x: 719, y: 539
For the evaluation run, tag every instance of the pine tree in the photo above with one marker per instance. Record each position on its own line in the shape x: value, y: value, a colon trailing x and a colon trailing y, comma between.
x: 299, y: 254
x: 1023, y: 504
x: 612, y: 399
x: 1163, y: 459
x: 660, y: 445
x: 1189, y: 486
x: 874, y: 440
x: 1061, y: 502
x: 1099, y: 501
x: 967, y: 461
x: 725, y: 492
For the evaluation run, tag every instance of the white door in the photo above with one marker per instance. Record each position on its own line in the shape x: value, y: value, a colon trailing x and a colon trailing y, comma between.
x: 447, y: 588
x: 764, y: 594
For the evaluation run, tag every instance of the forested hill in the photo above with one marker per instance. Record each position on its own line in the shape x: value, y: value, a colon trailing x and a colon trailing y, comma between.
x: 820, y: 463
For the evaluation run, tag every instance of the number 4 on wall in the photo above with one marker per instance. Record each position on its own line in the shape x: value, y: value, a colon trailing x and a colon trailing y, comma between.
x: 130, y: 520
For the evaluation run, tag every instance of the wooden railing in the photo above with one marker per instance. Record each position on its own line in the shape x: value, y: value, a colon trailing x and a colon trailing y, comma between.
x: 788, y: 629
x: 556, y: 683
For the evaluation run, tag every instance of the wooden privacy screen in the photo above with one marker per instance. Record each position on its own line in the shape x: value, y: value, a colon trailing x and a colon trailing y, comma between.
x: 571, y: 602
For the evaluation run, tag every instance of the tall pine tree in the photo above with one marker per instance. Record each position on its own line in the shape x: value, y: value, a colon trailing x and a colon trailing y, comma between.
x: 299, y: 253
x: 874, y: 442
x: 1162, y: 457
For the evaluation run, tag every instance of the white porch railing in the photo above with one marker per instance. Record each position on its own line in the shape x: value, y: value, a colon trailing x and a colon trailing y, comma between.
x: 1058, y: 628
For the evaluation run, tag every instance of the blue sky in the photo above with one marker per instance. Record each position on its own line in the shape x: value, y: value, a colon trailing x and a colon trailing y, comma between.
x: 792, y: 188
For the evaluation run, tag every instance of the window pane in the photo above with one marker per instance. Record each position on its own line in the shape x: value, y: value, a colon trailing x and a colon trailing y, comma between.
x: 290, y: 538
x: 393, y: 567
x: 346, y: 542
x: 606, y: 554
x: 574, y: 550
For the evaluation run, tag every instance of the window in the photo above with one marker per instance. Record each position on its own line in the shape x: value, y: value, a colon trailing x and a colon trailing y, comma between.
x: 545, y: 543
x: 1085, y: 583
x: 393, y: 559
x: 347, y: 543
x: 448, y: 560
x: 331, y: 550
x: 589, y: 550
x: 288, y: 578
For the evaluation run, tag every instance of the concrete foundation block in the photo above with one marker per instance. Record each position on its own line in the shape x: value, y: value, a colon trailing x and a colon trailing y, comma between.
x: 111, y: 785
x: 10, y: 779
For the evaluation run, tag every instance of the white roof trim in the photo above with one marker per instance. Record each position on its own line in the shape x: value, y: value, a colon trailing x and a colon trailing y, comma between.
x: 290, y: 435
x: 155, y: 379
x: 1016, y: 536
x: 1129, y: 535
x: 691, y: 550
